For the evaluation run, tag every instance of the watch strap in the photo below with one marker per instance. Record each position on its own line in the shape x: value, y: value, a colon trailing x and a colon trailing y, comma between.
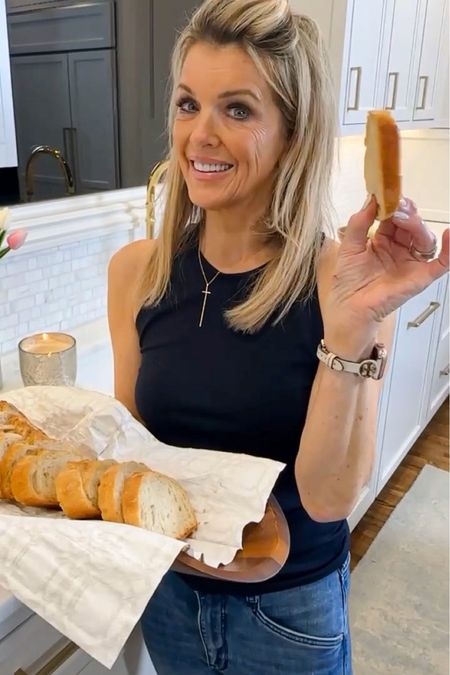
x: 372, y: 367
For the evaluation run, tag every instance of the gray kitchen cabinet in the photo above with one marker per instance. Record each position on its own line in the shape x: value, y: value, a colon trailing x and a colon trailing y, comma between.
x: 67, y: 101
x: 42, y: 109
x: 93, y: 130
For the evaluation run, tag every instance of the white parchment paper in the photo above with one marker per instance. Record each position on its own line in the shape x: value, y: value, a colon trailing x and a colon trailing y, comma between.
x: 92, y: 579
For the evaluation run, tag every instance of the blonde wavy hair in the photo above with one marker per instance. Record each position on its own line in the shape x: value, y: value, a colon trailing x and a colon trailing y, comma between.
x: 289, y: 52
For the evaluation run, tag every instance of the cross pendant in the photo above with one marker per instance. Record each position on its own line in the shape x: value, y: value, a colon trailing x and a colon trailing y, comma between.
x: 205, y: 298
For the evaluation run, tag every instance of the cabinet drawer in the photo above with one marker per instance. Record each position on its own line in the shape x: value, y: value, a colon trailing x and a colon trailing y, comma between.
x: 30, y: 646
x: 62, y: 29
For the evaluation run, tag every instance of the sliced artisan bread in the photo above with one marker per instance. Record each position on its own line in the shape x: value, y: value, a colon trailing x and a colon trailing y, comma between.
x: 158, y: 503
x: 77, y: 488
x: 33, y: 477
x: 13, y: 454
x: 111, y: 487
x: 382, y: 162
x: 16, y: 451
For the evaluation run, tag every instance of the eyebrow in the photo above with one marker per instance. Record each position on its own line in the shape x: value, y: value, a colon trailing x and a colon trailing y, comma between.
x: 227, y: 94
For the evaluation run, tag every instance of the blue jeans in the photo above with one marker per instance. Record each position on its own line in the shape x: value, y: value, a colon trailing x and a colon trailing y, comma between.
x: 300, y: 631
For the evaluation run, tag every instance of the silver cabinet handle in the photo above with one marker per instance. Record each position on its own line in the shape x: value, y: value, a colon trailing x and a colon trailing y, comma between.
x: 358, y: 72
x: 424, y: 316
x: 393, y: 77
x: 55, y: 662
x: 446, y: 371
x: 423, y: 91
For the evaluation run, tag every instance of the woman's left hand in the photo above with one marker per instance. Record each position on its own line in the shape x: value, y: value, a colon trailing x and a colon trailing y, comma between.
x: 373, y: 277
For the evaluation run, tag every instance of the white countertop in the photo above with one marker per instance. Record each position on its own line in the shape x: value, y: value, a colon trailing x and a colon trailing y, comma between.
x: 94, y: 371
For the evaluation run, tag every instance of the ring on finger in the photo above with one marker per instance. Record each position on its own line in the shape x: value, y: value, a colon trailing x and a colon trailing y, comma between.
x: 424, y: 256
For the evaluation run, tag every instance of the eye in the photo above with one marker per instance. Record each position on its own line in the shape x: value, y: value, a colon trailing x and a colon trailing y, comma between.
x: 186, y: 105
x: 239, y: 111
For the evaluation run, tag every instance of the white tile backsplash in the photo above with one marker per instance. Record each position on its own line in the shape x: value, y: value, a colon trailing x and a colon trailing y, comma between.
x: 54, y: 289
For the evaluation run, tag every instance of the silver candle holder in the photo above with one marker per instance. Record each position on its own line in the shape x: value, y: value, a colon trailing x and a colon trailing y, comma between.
x: 48, y: 359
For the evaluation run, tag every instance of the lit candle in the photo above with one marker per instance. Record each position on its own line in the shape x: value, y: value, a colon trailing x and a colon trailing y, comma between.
x: 48, y: 358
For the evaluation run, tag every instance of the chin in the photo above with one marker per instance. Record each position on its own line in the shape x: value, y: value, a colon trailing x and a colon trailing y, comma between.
x: 209, y: 202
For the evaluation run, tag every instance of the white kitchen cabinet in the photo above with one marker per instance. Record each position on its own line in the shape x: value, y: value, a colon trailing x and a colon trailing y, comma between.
x: 439, y: 370
x: 8, y: 150
x: 366, y: 39
x: 36, y: 647
x: 400, y: 57
x: 384, y: 54
x: 434, y: 35
x: 406, y: 392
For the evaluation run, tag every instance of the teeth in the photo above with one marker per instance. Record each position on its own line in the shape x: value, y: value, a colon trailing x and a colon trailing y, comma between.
x: 210, y: 168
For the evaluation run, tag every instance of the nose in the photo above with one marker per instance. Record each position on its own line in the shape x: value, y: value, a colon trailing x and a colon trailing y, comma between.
x: 204, y: 131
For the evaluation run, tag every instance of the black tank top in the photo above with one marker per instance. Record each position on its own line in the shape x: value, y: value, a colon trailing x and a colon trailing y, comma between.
x: 218, y: 389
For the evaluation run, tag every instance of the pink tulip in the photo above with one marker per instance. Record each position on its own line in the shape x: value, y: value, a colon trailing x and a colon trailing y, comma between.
x: 16, y: 238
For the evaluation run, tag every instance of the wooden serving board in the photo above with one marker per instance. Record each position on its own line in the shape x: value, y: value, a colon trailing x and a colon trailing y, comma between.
x: 265, y: 550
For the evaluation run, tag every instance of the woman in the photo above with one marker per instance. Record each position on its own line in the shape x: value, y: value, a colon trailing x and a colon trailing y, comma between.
x: 215, y: 327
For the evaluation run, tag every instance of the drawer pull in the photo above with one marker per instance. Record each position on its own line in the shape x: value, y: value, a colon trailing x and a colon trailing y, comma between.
x: 446, y: 371
x: 55, y: 662
x: 393, y: 78
x: 424, y: 316
x: 357, y: 88
x: 423, y: 91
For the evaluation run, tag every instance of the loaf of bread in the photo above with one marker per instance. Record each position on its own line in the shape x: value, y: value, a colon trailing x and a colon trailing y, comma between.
x: 36, y: 470
x: 77, y: 488
x: 158, y: 503
x: 111, y: 487
x: 382, y: 162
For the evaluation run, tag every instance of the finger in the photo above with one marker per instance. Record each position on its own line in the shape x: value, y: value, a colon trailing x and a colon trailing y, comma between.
x: 440, y: 265
x: 359, y: 226
x: 389, y: 229
x: 409, y: 222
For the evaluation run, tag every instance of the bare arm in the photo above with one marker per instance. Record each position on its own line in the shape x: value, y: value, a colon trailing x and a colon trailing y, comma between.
x: 338, y: 443
x: 123, y: 277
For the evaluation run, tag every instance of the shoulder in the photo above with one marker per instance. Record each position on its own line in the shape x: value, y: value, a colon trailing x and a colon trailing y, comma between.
x: 125, y: 271
x: 130, y: 260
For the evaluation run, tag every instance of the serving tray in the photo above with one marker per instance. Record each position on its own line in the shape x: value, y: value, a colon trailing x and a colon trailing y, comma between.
x: 265, y: 550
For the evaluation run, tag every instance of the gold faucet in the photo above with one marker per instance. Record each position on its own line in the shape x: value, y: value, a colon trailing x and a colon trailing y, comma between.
x: 154, y: 178
x: 47, y: 150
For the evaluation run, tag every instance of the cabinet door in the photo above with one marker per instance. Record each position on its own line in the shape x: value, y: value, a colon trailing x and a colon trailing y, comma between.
x: 93, y: 109
x: 440, y: 378
x: 435, y: 32
x: 400, y: 59
x: 367, y: 35
x: 8, y: 154
x: 407, y: 390
x: 41, y: 103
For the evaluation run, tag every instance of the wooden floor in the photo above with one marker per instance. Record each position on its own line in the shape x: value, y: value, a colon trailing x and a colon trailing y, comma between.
x: 432, y: 447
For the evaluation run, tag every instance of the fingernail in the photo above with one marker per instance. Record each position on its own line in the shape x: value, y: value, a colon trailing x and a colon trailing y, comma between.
x: 399, y: 215
x: 367, y: 203
x: 403, y: 203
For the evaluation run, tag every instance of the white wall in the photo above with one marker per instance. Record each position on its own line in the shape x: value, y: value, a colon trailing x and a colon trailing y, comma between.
x: 425, y: 170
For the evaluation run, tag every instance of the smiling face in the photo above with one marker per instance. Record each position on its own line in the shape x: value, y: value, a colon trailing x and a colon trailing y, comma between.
x: 228, y: 132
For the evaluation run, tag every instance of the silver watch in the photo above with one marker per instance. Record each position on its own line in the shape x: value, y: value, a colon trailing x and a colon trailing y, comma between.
x: 372, y: 367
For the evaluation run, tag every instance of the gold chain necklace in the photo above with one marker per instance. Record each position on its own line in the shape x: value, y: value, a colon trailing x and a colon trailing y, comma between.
x: 206, y: 292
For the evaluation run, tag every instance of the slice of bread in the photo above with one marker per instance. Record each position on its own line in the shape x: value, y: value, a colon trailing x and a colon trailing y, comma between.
x: 158, y: 503
x: 111, y: 487
x: 77, y: 488
x: 18, y: 450
x: 13, y: 454
x: 382, y: 162
x: 33, y: 477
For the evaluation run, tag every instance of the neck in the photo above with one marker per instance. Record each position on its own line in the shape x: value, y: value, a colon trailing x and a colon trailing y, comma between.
x: 234, y: 243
